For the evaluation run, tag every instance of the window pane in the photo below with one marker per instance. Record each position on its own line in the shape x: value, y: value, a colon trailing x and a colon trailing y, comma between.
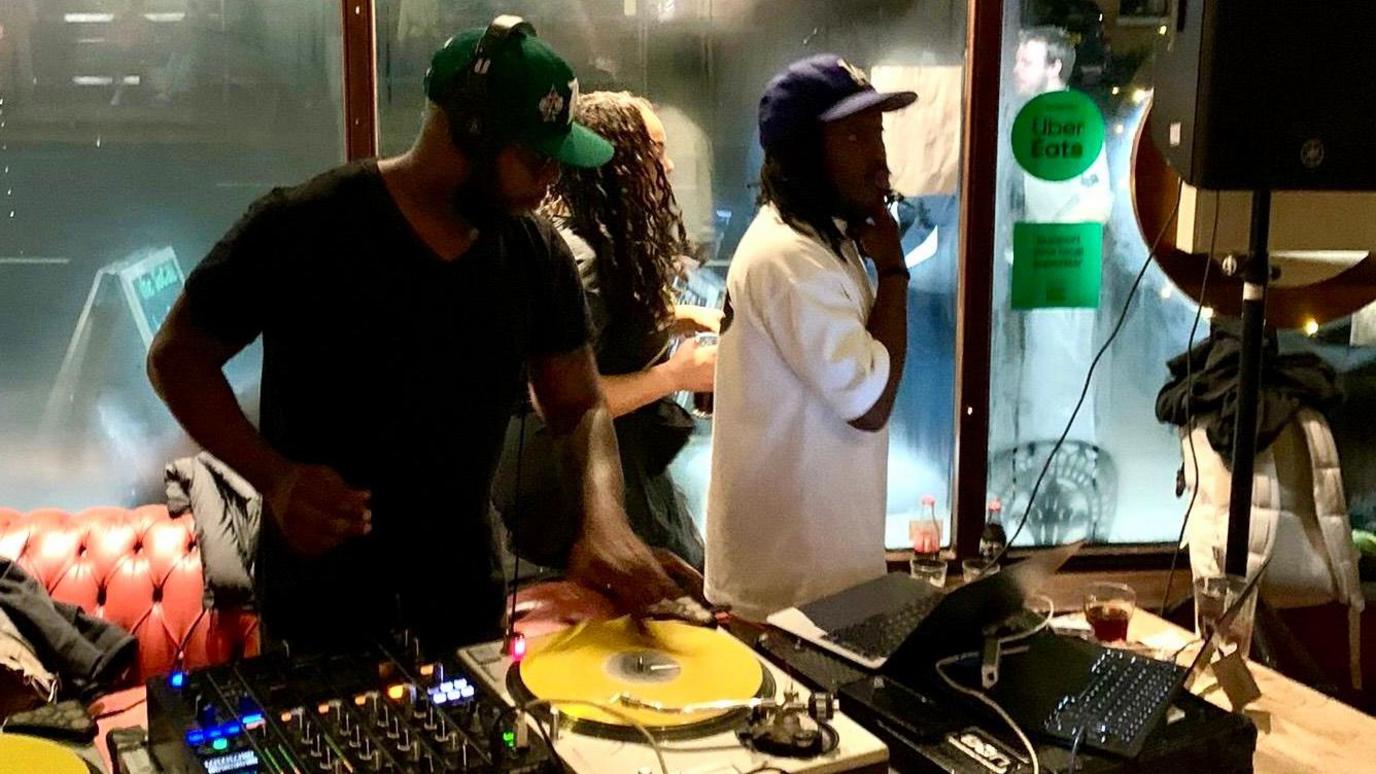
x: 1114, y: 479
x: 133, y: 130
x: 705, y: 63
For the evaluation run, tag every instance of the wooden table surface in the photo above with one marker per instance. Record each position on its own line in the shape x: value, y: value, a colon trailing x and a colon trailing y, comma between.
x: 1298, y: 728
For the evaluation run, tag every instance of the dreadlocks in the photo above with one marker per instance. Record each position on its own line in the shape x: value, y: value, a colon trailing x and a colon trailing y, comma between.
x: 795, y: 182
x: 625, y: 211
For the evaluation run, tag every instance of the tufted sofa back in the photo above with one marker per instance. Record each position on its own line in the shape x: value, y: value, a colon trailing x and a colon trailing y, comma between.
x: 138, y: 568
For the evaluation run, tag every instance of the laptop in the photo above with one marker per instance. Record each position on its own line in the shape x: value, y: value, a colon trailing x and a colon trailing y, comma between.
x: 870, y: 623
x: 1111, y: 699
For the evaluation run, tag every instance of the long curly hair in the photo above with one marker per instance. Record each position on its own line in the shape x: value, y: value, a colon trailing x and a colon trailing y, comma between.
x: 626, y: 212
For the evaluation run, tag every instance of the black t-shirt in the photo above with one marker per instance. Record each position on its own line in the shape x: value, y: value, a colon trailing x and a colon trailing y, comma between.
x: 393, y: 366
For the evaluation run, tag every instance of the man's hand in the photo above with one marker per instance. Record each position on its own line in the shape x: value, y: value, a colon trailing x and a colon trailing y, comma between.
x: 614, y: 562
x: 316, y: 510
x: 878, y: 238
x: 694, y: 366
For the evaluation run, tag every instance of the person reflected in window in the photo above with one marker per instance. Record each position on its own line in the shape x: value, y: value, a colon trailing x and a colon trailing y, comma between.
x: 812, y: 351
x: 625, y: 231
x: 1058, y: 345
x: 1044, y: 61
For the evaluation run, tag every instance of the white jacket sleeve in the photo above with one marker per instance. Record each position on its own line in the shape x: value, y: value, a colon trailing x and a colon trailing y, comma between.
x: 819, y: 331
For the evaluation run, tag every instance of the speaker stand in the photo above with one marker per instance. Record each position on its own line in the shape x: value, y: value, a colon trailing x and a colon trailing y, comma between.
x: 1256, y: 275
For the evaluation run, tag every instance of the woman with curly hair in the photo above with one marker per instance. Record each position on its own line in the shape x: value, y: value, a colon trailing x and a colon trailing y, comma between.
x: 624, y: 228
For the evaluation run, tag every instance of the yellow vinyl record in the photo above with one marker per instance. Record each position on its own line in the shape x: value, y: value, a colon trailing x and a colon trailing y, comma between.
x: 19, y: 753
x: 668, y: 663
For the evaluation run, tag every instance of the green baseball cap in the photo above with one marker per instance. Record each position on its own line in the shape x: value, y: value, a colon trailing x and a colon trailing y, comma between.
x: 531, y: 93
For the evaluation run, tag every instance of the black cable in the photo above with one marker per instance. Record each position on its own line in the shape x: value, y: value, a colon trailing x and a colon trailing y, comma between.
x: 1084, y: 391
x: 1181, y: 649
x: 549, y: 743
x: 1074, y: 749
x: 516, y: 517
x: 1189, y: 404
x: 827, y: 730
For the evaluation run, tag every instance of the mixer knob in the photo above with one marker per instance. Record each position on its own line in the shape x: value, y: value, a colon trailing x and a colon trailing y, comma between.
x: 205, y: 711
x: 431, y: 718
x: 366, y: 751
x: 318, y: 747
x: 382, y: 716
x: 404, y: 743
x: 394, y: 728
x: 464, y: 750
x: 247, y: 706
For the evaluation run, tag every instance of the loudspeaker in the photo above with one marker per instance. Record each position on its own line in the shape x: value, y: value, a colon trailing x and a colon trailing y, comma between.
x: 1268, y: 94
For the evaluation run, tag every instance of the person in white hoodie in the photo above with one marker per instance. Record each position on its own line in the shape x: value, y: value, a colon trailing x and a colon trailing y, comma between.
x: 810, y: 352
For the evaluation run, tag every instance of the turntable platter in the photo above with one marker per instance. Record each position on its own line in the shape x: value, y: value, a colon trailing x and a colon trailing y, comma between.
x: 669, y: 663
x: 29, y: 753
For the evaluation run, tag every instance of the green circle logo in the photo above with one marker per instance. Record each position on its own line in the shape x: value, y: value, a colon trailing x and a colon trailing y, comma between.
x: 1058, y: 135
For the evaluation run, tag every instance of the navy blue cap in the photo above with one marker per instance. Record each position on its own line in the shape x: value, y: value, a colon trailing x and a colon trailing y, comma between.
x: 821, y: 88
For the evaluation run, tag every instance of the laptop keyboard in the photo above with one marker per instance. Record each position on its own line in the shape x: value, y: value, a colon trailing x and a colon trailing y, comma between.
x: 1120, y: 705
x: 880, y: 635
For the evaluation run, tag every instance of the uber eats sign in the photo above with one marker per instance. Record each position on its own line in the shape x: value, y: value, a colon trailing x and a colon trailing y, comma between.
x: 1058, y: 135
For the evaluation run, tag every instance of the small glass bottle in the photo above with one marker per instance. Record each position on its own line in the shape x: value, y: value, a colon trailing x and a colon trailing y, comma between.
x: 925, y: 531
x: 993, y: 540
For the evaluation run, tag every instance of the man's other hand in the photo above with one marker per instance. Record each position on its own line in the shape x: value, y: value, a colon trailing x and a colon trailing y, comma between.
x: 614, y: 562
x: 316, y: 510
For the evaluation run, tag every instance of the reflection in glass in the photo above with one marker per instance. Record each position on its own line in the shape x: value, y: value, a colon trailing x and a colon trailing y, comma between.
x: 132, y: 131
x: 1114, y: 479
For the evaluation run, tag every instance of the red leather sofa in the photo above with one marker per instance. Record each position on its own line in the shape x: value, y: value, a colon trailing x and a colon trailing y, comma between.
x: 138, y: 568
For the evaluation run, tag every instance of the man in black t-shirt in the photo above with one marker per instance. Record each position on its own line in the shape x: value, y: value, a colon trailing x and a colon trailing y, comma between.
x: 401, y: 302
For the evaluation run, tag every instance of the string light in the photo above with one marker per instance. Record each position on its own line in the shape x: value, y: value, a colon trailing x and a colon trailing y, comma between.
x: 1311, y: 327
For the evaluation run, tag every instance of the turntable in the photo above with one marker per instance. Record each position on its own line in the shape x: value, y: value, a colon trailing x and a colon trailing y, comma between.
x: 616, y: 695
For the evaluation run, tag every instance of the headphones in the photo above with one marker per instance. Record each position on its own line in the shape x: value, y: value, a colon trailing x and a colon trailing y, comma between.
x: 470, y: 122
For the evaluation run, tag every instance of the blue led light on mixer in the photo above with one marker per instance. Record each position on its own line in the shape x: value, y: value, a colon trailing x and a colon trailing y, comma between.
x: 452, y: 690
x: 216, y: 733
x: 178, y: 679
